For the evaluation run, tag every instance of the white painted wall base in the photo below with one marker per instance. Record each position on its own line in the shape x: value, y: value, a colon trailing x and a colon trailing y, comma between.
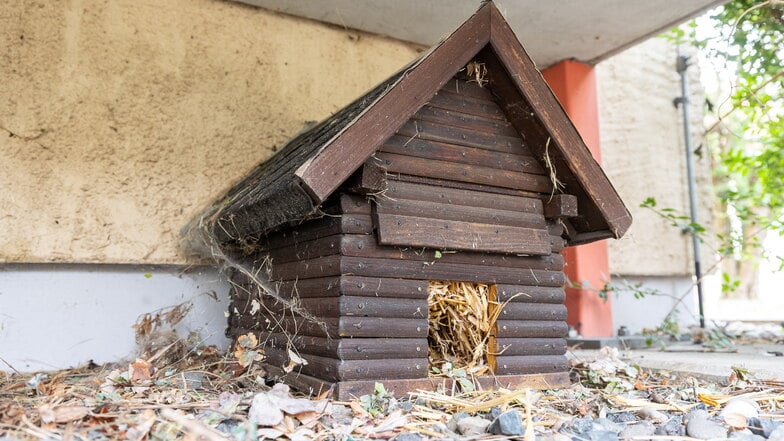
x: 57, y: 316
x: 649, y: 311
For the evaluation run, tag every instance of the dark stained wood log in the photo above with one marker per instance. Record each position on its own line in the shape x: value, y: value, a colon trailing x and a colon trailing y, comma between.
x: 308, y: 269
x: 350, y: 348
x: 555, y: 227
x: 452, y: 171
x: 560, y: 206
x: 356, y: 286
x: 508, y: 347
x: 468, y: 88
x: 533, y: 311
x: 456, y: 235
x: 459, y: 136
x: 348, y: 390
x: 357, y: 245
x: 417, y: 129
x: 349, y: 306
x: 531, y: 364
x: 454, y: 118
x: 331, y: 369
x: 354, y: 204
x: 366, y: 246
x: 372, y: 267
x: 369, y: 179
x: 444, y: 183
x: 521, y: 162
x: 530, y: 328
x: 449, y: 100
x: 454, y: 196
x: 320, y: 247
x: 529, y: 294
x: 557, y: 244
x: 437, y: 210
x: 314, y: 229
x: 354, y: 327
x: 322, y: 174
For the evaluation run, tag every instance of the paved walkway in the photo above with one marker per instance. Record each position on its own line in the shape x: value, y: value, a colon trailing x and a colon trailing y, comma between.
x: 687, y: 359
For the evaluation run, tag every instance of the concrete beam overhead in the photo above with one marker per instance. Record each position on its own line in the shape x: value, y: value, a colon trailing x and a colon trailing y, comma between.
x: 588, y: 31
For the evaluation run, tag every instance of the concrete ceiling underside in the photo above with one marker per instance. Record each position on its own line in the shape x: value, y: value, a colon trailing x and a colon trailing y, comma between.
x: 551, y: 31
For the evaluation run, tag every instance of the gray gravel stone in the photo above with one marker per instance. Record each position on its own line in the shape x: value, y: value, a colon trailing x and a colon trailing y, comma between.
x: 452, y: 423
x: 699, y: 425
x: 580, y: 425
x: 643, y: 428
x: 472, y: 426
x: 622, y: 417
x: 762, y: 426
x: 745, y: 435
x: 409, y: 437
x: 673, y: 427
x: 777, y: 434
x: 602, y: 435
x: 508, y: 423
x: 494, y: 413
x: 600, y: 424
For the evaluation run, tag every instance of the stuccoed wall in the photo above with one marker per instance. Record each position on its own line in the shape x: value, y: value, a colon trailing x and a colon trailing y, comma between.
x: 643, y: 154
x: 119, y: 120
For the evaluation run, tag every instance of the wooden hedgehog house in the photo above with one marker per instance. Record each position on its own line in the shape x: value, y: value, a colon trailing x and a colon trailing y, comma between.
x: 461, y: 167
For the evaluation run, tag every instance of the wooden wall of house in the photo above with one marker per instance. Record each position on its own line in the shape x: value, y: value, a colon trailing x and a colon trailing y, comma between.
x: 457, y: 161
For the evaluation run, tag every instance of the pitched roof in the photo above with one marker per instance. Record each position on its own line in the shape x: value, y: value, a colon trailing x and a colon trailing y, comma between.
x: 292, y: 184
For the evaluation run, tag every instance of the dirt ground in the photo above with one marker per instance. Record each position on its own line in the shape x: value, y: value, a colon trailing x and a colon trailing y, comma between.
x: 180, y: 390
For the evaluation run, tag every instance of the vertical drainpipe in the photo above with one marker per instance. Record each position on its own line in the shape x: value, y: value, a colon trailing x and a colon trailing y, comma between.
x: 682, y: 66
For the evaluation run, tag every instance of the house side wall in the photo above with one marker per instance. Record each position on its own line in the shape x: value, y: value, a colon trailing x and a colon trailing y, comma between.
x: 121, y: 120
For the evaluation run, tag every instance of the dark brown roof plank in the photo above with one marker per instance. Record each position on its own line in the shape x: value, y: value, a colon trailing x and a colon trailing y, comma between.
x: 547, y: 107
x: 322, y: 174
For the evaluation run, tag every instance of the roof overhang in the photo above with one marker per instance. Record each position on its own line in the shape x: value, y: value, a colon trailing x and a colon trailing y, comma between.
x: 551, y: 31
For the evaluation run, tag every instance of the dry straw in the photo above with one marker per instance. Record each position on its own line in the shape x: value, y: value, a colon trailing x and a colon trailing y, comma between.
x: 462, y: 324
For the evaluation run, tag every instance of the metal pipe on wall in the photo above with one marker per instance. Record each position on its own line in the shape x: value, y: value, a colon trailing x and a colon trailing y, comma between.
x: 682, y: 65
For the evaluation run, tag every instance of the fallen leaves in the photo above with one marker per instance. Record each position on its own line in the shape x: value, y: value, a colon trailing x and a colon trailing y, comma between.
x: 207, y: 398
x: 247, y: 350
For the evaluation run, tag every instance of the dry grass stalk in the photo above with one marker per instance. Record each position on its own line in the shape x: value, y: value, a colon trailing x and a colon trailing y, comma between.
x: 461, y: 325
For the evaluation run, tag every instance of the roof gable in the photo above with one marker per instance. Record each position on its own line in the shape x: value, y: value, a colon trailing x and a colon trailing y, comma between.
x: 292, y: 184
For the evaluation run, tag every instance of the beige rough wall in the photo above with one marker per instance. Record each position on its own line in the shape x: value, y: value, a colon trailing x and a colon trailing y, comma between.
x: 120, y: 119
x: 643, y: 154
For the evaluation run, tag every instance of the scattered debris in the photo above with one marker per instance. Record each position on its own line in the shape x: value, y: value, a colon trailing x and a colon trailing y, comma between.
x: 213, y: 396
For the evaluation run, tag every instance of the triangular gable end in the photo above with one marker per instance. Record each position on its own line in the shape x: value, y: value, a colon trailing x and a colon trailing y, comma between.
x: 522, y: 94
x: 299, y: 178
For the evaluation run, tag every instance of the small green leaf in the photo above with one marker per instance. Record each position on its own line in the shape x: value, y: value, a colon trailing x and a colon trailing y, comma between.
x: 147, y: 275
x: 437, y: 254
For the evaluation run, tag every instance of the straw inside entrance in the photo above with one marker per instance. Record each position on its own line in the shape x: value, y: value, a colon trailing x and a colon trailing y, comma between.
x: 462, y: 318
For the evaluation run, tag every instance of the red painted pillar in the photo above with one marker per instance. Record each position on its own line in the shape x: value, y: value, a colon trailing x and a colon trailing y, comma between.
x: 574, y: 84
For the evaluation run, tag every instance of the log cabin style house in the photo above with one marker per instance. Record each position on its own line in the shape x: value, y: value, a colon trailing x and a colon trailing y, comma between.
x: 461, y: 167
